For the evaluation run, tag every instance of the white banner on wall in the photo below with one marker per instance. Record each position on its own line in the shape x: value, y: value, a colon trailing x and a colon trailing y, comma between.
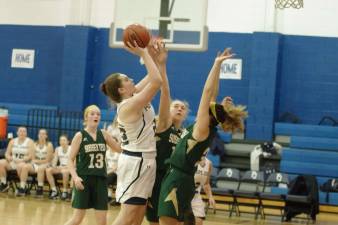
x: 231, y: 69
x: 23, y: 58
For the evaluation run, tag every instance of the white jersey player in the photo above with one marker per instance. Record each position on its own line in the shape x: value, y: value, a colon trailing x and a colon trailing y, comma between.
x: 202, y: 180
x: 60, y: 161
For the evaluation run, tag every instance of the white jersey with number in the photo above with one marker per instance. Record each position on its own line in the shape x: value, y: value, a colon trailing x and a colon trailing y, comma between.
x: 62, y: 155
x: 41, y: 152
x: 201, y: 176
x: 20, y: 150
x: 138, y: 136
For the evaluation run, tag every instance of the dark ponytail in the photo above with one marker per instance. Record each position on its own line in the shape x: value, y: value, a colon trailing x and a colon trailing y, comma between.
x: 110, y: 87
x: 104, y: 89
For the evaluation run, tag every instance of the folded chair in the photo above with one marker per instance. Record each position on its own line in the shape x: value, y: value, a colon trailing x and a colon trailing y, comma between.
x: 251, y: 184
x: 274, y: 193
x: 227, y: 182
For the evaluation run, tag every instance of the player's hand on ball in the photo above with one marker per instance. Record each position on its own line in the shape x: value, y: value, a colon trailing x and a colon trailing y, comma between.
x: 136, y: 50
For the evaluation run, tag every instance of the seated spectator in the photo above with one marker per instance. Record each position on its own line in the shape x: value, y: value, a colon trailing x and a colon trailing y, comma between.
x: 18, y: 154
x: 111, y: 161
x: 42, y: 157
x: 59, y: 166
x: 202, y: 181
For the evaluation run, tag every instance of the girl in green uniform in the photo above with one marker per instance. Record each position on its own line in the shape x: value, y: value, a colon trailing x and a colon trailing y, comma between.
x: 177, y: 189
x: 88, y: 150
x: 168, y: 127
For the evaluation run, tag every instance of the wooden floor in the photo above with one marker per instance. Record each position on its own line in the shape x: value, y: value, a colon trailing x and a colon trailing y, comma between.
x: 32, y: 211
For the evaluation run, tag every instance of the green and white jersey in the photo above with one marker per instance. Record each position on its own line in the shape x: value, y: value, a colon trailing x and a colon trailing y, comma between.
x: 91, y: 159
x: 166, y: 142
x: 188, y: 151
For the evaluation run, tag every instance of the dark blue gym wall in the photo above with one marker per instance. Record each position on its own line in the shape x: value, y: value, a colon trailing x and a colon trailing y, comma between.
x: 78, y: 67
x: 40, y: 85
x: 262, y: 89
x: 309, y: 77
x: 281, y: 73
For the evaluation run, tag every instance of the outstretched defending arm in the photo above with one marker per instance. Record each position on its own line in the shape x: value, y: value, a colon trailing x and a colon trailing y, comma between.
x: 201, y: 129
x: 159, y: 53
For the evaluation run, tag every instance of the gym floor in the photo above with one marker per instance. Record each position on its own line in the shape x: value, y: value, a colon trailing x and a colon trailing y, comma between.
x: 33, y: 211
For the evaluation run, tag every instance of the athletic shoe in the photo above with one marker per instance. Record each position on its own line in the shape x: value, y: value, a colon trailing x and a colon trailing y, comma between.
x: 4, y: 187
x: 64, y: 196
x: 53, y: 195
x: 21, y: 192
x: 39, y: 192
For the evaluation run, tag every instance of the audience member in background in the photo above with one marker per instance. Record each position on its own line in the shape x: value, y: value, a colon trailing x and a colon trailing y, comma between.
x: 42, y: 158
x: 202, y: 180
x: 18, y: 154
x: 111, y: 160
x: 59, y: 166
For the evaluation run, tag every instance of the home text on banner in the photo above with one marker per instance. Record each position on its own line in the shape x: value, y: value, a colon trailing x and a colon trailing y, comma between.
x: 231, y: 69
x: 23, y: 58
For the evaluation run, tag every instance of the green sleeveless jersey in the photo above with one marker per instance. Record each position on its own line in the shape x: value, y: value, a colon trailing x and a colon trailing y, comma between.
x: 165, y: 144
x: 91, y: 159
x: 188, y: 151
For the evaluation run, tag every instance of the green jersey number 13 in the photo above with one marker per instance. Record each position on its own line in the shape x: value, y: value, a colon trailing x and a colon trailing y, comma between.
x: 96, y: 161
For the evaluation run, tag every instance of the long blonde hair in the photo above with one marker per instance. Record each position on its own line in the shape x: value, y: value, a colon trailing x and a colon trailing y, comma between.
x: 235, y: 119
x: 86, y: 112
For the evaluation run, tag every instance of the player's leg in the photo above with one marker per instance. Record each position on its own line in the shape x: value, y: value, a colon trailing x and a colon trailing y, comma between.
x: 77, y: 217
x: 25, y: 169
x: 65, y: 183
x: 50, y: 177
x: 4, y: 166
x: 101, y: 217
x: 41, y: 178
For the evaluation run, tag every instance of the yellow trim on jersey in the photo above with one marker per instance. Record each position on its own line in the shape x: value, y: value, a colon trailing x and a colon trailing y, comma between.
x: 191, y: 144
x: 173, y: 198
x: 213, y: 110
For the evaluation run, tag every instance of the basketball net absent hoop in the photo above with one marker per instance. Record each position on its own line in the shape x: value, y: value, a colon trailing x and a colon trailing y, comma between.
x: 283, y: 4
x: 182, y: 24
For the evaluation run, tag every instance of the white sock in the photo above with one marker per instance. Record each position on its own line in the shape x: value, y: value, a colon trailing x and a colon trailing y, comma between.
x: 109, y: 192
x: 40, y: 184
x: 23, y: 184
x: 53, y: 189
x: 3, y: 180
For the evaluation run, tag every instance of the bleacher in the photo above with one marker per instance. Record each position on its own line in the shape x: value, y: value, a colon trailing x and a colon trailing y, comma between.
x: 313, y: 150
x: 18, y: 113
x: 49, y: 117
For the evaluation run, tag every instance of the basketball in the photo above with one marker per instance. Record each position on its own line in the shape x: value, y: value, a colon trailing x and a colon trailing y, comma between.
x: 138, y: 33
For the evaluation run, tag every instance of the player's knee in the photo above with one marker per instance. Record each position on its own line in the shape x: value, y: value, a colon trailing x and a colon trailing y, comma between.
x: 49, y: 170
x: 102, y: 221
x: 64, y: 173
x: 77, y: 220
